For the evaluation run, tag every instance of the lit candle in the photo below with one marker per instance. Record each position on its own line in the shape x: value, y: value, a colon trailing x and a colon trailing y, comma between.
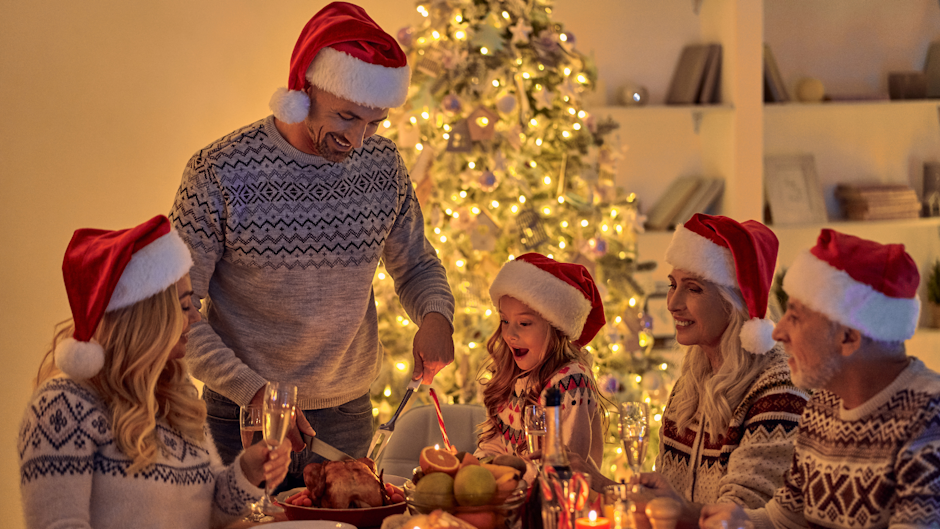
x: 592, y: 522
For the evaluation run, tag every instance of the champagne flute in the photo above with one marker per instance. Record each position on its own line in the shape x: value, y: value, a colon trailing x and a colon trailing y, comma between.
x: 278, y: 407
x: 251, y: 419
x: 250, y: 422
x: 634, y: 433
x: 534, y: 421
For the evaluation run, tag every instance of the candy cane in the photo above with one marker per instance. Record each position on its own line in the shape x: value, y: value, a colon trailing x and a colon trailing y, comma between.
x: 440, y: 420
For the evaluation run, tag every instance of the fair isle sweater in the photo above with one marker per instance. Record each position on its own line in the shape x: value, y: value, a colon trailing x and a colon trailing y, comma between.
x: 72, y: 474
x: 580, y: 420
x: 285, y: 246
x: 746, y: 465
x: 876, y: 465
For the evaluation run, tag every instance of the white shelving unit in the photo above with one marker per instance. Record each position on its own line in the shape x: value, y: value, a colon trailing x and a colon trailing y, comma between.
x: 850, y: 45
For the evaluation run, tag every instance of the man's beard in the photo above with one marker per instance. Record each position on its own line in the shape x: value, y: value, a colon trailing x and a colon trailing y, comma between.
x: 325, y: 151
x: 817, y: 377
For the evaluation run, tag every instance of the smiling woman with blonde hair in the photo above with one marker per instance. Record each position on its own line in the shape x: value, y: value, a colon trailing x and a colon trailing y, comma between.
x: 729, y: 424
x: 115, y: 433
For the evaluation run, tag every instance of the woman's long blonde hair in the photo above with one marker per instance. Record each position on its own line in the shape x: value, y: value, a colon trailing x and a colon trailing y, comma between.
x: 717, y: 394
x: 138, y: 383
x: 504, y: 372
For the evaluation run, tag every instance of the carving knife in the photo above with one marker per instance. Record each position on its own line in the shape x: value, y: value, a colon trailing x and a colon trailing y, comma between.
x: 315, y: 445
x: 384, y: 433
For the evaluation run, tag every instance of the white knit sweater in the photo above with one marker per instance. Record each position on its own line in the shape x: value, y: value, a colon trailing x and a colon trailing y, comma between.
x: 72, y: 474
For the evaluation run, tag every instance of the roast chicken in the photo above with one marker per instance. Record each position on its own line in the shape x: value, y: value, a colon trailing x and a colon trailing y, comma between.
x: 344, y: 484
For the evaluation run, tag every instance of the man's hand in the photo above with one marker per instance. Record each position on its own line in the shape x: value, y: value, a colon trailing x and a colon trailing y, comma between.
x: 722, y: 516
x: 299, y: 424
x: 433, y: 347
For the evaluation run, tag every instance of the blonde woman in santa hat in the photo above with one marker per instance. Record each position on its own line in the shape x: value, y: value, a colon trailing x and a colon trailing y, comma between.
x: 548, y: 311
x: 288, y: 219
x: 115, y: 434
x: 729, y: 424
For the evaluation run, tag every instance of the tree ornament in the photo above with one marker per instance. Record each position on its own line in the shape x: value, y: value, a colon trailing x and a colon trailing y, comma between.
x: 451, y: 103
x: 506, y: 104
x: 484, y: 233
x: 406, y: 36
x: 482, y: 124
x: 543, y: 98
x: 520, y: 32
x: 460, y: 140
x: 488, y: 181
x: 430, y: 63
x: 531, y: 229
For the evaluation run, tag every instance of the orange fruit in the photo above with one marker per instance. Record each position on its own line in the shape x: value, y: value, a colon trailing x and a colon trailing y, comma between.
x: 480, y: 520
x: 468, y: 459
x: 435, y: 460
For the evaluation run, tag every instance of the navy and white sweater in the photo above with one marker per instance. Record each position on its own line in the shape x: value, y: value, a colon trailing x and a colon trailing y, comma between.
x: 72, y: 474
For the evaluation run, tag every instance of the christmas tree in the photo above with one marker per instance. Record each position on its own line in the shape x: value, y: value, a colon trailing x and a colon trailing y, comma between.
x: 505, y: 160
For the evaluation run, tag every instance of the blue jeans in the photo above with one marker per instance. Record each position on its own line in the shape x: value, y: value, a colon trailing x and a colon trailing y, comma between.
x: 348, y: 427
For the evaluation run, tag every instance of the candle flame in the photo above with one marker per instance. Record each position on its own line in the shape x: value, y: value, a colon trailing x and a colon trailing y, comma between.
x: 592, y: 516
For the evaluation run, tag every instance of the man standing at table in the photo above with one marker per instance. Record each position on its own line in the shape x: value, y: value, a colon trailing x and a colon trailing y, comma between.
x: 287, y: 219
x: 868, y: 450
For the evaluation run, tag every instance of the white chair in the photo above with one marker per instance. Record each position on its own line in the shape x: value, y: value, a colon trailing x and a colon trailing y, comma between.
x: 417, y: 428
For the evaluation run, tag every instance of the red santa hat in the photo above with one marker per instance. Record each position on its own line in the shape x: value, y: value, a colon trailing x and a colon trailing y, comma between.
x: 344, y: 52
x: 562, y: 293
x: 108, y: 270
x: 734, y: 254
x: 865, y: 285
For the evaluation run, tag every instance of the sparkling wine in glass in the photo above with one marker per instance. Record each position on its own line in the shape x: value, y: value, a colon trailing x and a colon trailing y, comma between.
x: 277, y: 415
x: 534, y: 422
x: 634, y: 433
x: 251, y: 420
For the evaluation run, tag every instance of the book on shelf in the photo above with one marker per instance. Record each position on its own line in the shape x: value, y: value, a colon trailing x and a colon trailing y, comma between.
x: 878, y: 201
x: 775, y: 91
x: 697, y: 62
x: 686, y: 196
x: 705, y: 196
x: 711, y: 82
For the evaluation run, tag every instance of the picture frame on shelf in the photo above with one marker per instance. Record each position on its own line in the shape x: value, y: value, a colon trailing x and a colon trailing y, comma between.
x: 792, y: 190
x: 663, y: 326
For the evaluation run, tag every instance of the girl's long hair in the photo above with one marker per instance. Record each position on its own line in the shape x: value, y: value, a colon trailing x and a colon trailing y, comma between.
x: 138, y: 383
x: 504, y: 372
x: 717, y: 394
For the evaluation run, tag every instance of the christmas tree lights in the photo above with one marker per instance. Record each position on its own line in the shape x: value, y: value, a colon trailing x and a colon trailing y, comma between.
x: 506, y: 160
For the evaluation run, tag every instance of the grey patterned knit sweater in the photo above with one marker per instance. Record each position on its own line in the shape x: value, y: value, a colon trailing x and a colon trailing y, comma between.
x: 285, y: 246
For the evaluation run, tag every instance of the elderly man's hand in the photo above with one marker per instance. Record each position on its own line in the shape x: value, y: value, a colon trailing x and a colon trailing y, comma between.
x: 723, y: 515
x: 433, y: 347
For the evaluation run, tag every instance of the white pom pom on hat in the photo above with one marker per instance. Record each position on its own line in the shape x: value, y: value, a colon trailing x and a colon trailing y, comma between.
x: 734, y: 254
x: 343, y: 51
x: 106, y: 270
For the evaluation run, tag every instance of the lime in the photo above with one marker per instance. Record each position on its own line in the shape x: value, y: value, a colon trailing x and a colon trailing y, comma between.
x: 435, y: 490
x: 474, y: 485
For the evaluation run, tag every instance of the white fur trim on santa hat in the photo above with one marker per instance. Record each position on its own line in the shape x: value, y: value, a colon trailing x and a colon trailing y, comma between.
x: 289, y: 106
x: 757, y: 336
x: 79, y: 360
x: 367, y: 84
x: 563, y: 305
x: 826, y: 289
x: 151, y: 270
x: 695, y: 254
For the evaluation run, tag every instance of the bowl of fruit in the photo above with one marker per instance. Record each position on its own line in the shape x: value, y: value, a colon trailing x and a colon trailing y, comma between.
x: 487, y: 494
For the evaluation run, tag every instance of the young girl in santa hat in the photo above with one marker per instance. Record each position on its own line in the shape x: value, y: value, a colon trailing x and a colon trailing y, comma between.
x: 548, y: 311
x: 115, y: 433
